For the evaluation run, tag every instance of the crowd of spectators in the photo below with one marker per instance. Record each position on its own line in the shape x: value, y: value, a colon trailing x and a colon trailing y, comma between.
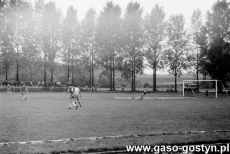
x: 31, y: 83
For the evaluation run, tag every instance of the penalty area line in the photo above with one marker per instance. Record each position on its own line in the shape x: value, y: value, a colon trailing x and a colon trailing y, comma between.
x: 111, y: 137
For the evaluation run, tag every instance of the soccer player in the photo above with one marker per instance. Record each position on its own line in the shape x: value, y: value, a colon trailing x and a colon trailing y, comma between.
x: 74, y: 96
x: 143, y: 93
x: 23, y: 91
x: 8, y: 89
x: 77, y: 95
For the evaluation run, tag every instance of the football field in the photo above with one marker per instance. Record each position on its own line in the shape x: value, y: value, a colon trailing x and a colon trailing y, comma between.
x: 108, y: 120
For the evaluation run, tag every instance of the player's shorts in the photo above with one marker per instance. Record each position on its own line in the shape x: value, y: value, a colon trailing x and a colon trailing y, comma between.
x: 74, y: 96
x: 8, y: 89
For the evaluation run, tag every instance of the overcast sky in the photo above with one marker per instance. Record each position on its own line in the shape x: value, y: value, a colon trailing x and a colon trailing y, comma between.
x: 185, y: 7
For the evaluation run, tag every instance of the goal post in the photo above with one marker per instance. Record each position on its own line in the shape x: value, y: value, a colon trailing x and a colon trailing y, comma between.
x: 194, y: 85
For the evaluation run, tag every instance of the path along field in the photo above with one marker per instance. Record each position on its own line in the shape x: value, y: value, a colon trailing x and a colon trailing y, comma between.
x: 45, y: 117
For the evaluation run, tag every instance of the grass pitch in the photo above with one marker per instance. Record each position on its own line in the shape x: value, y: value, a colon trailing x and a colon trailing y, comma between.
x: 44, y: 116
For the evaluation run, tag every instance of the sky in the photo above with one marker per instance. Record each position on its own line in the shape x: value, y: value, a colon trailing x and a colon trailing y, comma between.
x: 171, y: 7
x: 185, y: 7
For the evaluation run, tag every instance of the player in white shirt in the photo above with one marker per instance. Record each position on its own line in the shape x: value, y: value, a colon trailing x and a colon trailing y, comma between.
x: 75, y: 95
x: 141, y: 96
x: 23, y: 91
x: 8, y: 89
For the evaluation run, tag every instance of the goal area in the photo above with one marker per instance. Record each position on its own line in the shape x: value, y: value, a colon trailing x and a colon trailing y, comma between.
x: 207, y: 88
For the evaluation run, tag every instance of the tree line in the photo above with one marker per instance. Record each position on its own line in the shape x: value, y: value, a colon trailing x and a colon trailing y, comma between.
x: 38, y: 42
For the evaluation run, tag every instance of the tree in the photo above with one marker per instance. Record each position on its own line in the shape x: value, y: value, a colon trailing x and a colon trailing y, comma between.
x: 18, y: 24
x: 107, y: 37
x: 88, y: 42
x: 154, y: 32
x: 195, y: 55
x: 51, y: 34
x: 40, y: 64
x: 218, y: 31
x: 6, y: 52
x: 132, y: 42
x: 70, y: 38
x: 30, y: 54
x: 196, y: 22
x: 202, y: 41
x: 6, y: 57
x: 175, y: 54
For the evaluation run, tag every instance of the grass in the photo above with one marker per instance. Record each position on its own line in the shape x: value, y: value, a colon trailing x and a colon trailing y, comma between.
x: 45, y: 117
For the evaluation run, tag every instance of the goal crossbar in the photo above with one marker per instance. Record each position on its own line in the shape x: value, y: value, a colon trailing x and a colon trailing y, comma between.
x: 216, y: 86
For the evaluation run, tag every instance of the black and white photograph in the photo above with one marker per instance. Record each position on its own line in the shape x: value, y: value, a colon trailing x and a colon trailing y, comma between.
x: 114, y: 76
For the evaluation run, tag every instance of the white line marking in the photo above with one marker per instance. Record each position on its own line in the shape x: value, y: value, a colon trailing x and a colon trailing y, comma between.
x: 112, y: 137
x: 170, y: 97
x: 148, y: 98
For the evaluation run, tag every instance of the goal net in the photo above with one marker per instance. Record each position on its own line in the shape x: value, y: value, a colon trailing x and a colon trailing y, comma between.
x: 207, y: 88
